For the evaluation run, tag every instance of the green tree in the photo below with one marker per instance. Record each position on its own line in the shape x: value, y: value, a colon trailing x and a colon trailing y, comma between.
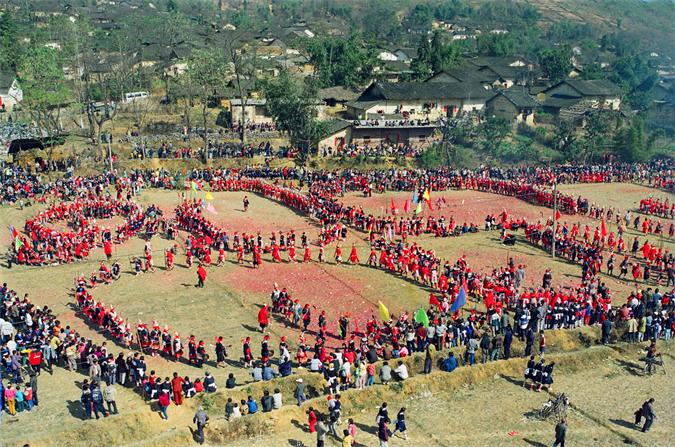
x: 598, y: 133
x: 555, y: 63
x: 593, y: 71
x: 496, y: 44
x: 629, y: 143
x: 206, y: 72
x: 492, y: 133
x: 443, y: 56
x: 340, y: 61
x: 10, y: 49
x: 565, y: 140
x: 241, y: 19
x: 292, y: 103
x: 435, y: 56
x: 421, y: 64
x: 636, y: 77
x: 380, y: 20
x: 421, y: 16
x: 44, y: 88
x: 450, y: 9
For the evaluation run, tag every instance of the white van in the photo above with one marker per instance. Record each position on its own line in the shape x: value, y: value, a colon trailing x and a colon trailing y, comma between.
x: 134, y: 96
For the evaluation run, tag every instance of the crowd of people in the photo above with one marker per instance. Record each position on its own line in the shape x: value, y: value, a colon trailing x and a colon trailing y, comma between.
x: 658, y: 207
x: 33, y: 341
x: 215, y: 149
x: 43, y: 244
x: 22, y: 184
x: 382, y: 149
x: 358, y: 355
x: 600, y: 250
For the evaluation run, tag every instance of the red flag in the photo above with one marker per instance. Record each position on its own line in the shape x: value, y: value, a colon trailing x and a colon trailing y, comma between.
x: 603, y: 228
x: 431, y: 208
x: 406, y: 206
x: 434, y: 301
x: 394, y: 210
x: 557, y: 215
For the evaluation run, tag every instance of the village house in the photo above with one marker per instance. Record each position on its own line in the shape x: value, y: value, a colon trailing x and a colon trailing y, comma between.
x: 391, y: 131
x: 336, y: 136
x: 504, y: 72
x: 256, y: 111
x: 10, y: 92
x: 385, y: 54
x: 572, y: 98
x: 417, y: 100
x: 661, y: 111
x: 405, y: 55
x: 463, y: 73
x: 336, y: 97
x: 270, y: 47
x: 393, y: 71
x: 515, y: 105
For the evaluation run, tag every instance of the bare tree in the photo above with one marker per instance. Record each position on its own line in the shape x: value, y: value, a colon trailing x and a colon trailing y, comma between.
x: 243, y: 67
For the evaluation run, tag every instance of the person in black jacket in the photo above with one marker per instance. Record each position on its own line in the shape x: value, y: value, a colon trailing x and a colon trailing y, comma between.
x: 508, y: 339
x: 200, y: 419
x: 85, y: 398
x: 560, y: 433
x: 648, y: 414
x: 485, y: 347
x: 267, y: 402
x: 231, y: 382
x: 122, y: 369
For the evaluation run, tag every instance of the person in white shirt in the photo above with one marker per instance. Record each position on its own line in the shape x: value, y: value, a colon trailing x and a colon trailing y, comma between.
x: 401, y: 371
x: 284, y: 356
x: 277, y: 400
x: 236, y: 412
x: 315, y: 365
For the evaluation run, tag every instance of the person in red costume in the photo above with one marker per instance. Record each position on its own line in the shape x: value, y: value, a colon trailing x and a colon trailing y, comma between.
x: 201, y: 276
x: 263, y: 318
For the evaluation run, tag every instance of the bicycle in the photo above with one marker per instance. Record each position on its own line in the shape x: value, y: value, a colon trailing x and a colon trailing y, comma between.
x: 651, y: 365
x: 556, y: 408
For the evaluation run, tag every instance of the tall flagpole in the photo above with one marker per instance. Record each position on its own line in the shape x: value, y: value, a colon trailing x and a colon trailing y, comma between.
x: 555, y: 217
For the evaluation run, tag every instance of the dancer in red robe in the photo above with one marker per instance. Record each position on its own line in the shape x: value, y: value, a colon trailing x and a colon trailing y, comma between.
x: 353, y: 256
x: 263, y: 318
x: 276, y: 257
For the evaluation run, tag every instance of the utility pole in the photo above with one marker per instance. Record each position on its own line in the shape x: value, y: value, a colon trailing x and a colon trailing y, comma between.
x: 448, y: 138
x: 555, y: 217
x: 110, y: 151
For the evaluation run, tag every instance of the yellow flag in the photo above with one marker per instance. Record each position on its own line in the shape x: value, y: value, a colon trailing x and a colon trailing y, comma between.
x: 384, y: 312
x: 426, y: 194
x: 208, y: 196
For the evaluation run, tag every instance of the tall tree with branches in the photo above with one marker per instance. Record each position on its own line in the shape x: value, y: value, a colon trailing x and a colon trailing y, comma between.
x: 292, y: 103
x: 206, y: 72
x: 44, y: 88
x: 242, y: 66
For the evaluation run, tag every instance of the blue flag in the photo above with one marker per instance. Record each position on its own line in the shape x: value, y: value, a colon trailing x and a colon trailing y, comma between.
x: 415, y: 198
x: 459, y: 301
